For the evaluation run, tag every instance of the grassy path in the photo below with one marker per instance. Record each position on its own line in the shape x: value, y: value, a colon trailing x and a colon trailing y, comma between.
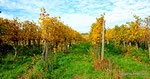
x: 78, y: 64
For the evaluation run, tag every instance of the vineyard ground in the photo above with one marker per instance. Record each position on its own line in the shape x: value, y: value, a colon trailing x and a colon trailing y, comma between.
x: 78, y: 64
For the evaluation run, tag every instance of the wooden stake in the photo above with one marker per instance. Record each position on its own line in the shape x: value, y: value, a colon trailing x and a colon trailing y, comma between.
x: 102, y: 54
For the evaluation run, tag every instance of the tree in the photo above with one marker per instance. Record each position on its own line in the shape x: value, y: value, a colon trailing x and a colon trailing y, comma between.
x: 96, y: 33
x: 55, y: 33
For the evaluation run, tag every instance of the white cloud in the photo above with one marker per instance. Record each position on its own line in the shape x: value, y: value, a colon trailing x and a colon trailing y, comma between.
x: 2, y: 1
x: 78, y: 22
x: 8, y: 16
x: 71, y: 10
x: 123, y: 12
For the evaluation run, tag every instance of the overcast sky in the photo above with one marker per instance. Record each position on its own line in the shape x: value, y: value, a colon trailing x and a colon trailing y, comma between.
x: 79, y: 14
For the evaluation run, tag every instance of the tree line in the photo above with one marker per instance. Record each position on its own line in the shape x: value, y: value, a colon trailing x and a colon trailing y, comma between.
x: 135, y: 32
x: 51, y: 33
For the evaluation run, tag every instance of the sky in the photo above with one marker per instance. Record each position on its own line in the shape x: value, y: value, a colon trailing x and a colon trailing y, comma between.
x: 78, y: 14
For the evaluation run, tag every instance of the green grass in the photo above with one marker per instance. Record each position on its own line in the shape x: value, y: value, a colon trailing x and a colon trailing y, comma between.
x: 11, y: 69
x: 77, y: 65
x: 126, y: 64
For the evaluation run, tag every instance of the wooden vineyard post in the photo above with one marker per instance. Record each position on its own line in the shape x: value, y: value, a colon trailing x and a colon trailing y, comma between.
x: 149, y: 36
x: 103, y: 35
